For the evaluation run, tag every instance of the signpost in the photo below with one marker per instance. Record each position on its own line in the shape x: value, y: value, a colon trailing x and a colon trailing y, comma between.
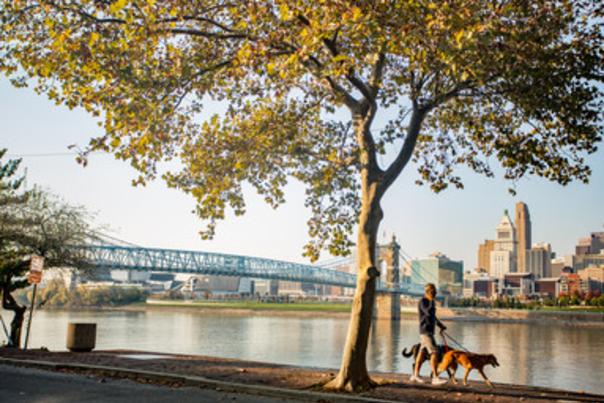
x: 34, y: 277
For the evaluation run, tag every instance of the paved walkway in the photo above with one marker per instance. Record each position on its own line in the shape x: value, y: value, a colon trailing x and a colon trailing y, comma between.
x: 27, y: 385
x: 270, y: 379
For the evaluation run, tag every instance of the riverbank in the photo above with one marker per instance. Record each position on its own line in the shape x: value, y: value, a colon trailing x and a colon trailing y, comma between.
x: 247, y: 308
x: 304, y: 383
x: 560, y: 317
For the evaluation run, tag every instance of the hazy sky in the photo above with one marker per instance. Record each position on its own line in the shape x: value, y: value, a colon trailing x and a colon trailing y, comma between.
x: 453, y: 222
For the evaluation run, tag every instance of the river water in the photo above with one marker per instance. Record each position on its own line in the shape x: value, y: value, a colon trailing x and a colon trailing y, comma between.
x: 544, y: 355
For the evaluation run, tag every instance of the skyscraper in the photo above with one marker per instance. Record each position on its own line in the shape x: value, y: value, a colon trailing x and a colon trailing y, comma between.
x: 538, y: 260
x: 484, y: 255
x: 504, y: 254
x: 523, y: 234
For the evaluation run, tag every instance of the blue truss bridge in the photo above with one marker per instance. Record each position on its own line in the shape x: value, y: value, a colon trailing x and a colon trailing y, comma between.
x: 131, y: 257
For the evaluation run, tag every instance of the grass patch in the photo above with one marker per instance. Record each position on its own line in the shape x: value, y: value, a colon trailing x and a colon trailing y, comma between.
x: 261, y: 306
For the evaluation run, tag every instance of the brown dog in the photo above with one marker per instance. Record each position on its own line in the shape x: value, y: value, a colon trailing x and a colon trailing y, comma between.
x: 442, y: 350
x: 469, y: 361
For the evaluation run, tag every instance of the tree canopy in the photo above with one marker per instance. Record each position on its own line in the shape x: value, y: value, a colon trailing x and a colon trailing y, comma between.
x: 507, y: 81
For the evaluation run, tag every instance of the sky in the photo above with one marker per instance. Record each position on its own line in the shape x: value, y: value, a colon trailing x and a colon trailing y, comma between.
x: 453, y: 222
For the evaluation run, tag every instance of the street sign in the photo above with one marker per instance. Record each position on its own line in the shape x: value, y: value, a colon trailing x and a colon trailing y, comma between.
x: 36, y: 266
x: 36, y: 263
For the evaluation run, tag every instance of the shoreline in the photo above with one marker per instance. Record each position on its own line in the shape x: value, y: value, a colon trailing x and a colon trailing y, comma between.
x: 481, y: 315
x: 560, y: 318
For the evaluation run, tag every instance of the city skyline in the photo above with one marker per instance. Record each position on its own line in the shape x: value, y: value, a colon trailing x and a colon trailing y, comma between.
x: 453, y: 222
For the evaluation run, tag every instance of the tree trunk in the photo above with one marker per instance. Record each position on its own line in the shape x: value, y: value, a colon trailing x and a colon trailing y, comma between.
x: 9, y: 303
x: 353, y: 375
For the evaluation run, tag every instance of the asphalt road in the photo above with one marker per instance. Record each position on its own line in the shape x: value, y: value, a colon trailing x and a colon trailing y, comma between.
x: 27, y: 385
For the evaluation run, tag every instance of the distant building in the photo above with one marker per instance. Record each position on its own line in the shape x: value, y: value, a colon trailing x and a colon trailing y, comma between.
x: 517, y: 284
x: 130, y: 276
x: 593, y: 278
x: 336, y: 291
x: 503, y: 256
x: 296, y: 288
x: 484, y: 255
x: 572, y: 284
x: 162, y: 281
x: 479, y: 284
x: 216, y: 285
x: 290, y: 288
x: 589, y: 251
x: 538, y: 260
x: 523, y: 235
x: 445, y: 273
x: 558, y: 264
x: 548, y: 287
x: 265, y: 287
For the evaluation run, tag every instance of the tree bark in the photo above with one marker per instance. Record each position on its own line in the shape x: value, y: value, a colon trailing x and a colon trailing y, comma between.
x: 9, y: 303
x: 353, y: 375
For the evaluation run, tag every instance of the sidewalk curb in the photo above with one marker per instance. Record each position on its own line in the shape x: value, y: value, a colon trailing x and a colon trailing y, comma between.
x: 199, y: 381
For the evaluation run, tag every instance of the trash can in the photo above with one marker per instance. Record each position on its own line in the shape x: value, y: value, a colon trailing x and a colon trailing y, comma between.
x: 81, y: 337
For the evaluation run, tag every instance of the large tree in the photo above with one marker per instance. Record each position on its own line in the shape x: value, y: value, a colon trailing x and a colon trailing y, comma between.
x: 301, y: 83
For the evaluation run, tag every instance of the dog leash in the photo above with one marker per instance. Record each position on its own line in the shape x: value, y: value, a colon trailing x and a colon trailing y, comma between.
x: 455, y: 341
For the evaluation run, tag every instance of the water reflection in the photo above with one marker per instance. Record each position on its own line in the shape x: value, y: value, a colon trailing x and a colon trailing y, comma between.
x: 547, y: 355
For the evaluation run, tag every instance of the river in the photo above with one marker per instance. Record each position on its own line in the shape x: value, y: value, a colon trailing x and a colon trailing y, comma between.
x: 543, y: 355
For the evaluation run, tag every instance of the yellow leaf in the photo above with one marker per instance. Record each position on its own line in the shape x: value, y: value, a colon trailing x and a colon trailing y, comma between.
x: 285, y: 12
x: 270, y: 68
x: 115, y: 142
x: 117, y: 6
x: 94, y: 37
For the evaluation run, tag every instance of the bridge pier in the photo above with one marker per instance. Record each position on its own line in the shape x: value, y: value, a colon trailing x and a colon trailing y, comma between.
x: 388, y: 303
x: 387, y: 306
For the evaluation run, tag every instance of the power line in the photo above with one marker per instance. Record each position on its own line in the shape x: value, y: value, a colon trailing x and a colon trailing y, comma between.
x: 56, y: 154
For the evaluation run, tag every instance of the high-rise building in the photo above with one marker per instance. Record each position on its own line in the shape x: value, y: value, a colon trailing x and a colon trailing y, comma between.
x: 503, y: 256
x: 590, y: 251
x: 484, y: 255
x: 523, y: 234
x: 538, y: 260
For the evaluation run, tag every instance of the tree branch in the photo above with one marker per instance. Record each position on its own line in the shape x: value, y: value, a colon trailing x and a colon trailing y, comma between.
x: 350, y: 76
x: 205, y: 34
x: 406, y: 150
x: 376, y: 75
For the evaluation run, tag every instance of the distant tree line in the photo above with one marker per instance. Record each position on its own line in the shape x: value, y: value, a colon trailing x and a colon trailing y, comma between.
x: 595, y: 299
x: 56, y: 295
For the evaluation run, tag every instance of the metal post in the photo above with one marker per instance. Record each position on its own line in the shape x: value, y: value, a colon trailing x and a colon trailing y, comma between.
x: 4, y: 327
x: 31, y: 311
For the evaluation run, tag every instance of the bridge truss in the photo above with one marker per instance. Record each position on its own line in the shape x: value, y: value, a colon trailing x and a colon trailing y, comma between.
x: 207, y: 263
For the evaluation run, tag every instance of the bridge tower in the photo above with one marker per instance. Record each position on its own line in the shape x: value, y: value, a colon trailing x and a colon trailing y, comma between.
x: 388, y: 303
